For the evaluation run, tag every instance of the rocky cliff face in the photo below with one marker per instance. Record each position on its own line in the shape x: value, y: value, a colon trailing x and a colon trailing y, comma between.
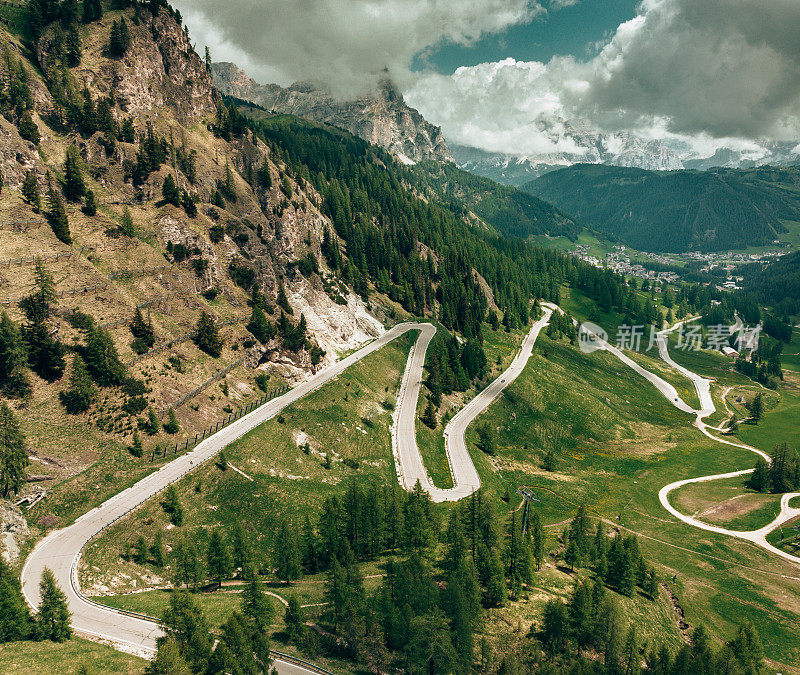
x: 160, y: 69
x: 269, y: 221
x: 381, y: 118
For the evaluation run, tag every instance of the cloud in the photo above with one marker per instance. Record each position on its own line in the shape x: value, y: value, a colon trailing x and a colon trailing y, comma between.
x: 555, y: 5
x: 703, y: 71
x: 343, y: 43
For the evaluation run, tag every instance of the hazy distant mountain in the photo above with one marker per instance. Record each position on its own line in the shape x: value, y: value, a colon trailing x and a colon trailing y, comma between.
x: 770, y: 153
x: 621, y: 149
x: 381, y: 118
x: 676, y: 211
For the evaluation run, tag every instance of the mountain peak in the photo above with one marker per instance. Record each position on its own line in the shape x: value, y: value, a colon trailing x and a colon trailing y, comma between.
x: 380, y: 117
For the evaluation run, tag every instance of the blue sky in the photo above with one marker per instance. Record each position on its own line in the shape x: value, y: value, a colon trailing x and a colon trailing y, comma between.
x: 571, y: 30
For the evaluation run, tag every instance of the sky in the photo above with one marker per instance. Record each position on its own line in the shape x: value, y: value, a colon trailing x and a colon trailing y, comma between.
x: 524, y: 76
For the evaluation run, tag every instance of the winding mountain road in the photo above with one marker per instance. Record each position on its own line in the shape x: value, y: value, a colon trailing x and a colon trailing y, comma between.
x: 61, y: 550
x: 408, y: 460
x: 707, y: 408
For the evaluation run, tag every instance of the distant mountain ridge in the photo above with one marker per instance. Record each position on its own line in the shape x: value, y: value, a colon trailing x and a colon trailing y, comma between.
x: 381, y: 118
x: 620, y: 149
x: 677, y: 211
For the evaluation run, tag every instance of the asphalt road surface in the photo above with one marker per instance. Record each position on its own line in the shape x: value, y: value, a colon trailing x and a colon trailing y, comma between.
x: 61, y: 549
x: 408, y: 460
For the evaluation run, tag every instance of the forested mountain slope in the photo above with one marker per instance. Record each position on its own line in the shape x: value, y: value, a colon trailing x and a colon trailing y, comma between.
x: 510, y: 211
x: 165, y: 259
x: 777, y: 284
x: 677, y: 211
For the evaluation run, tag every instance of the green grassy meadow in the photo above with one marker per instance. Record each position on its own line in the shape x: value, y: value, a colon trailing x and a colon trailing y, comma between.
x: 66, y: 658
x: 617, y: 442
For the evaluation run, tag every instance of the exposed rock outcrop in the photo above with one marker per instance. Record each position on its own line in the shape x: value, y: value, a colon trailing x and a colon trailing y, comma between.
x: 13, y: 531
x: 381, y: 118
x: 160, y: 69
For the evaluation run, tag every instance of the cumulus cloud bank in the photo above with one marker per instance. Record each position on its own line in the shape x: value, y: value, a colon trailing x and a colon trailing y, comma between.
x: 708, y: 72
x: 343, y: 43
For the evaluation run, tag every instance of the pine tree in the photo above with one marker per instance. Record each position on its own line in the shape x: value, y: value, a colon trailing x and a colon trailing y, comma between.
x: 27, y: 128
x: 136, y: 449
x: 120, y: 40
x: 259, y: 326
x: 336, y: 592
x: 490, y: 572
x: 30, y: 190
x: 143, y: 333
x: 172, y: 505
x: 92, y: 10
x: 256, y: 606
x: 188, y: 205
x: 81, y: 392
x: 207, y: 336
x: 13, y: 359
x: 13, y: 455
x: 757, y: 409
x: 57, y: 216
x: 747, y: 649
x: 169, y: 660
x: 153, y: 425
x: 185, y: 622
x: 429, y: 416
x: 550, y: 463
x: 74, y: 186
x: 430, y: 648
x: 102, y: 358
x: 287, y: 553
x: 650, y: 586
x: 88, y: 121
x: 15, y: 618
x: 140, y: 550
x: 172, y: 426
x: 241, y: 551
x: 760, y: 479
x: 73, y: 50
x: 283, y: 301
x: 218, y: 557
x: 294, y: 619
x: 187, y: 567
x: 486, y: 440
x: 170, y: 191
x: 90, y: 205
x: 126, y: 224
x: 572, y: 555
x: 53, y: 619
x: 157, y: 550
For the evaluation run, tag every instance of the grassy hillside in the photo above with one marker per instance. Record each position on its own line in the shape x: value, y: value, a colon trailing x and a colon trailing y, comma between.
x: 677, y: 211
x: 618, y: 443
x: 68, y: 658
